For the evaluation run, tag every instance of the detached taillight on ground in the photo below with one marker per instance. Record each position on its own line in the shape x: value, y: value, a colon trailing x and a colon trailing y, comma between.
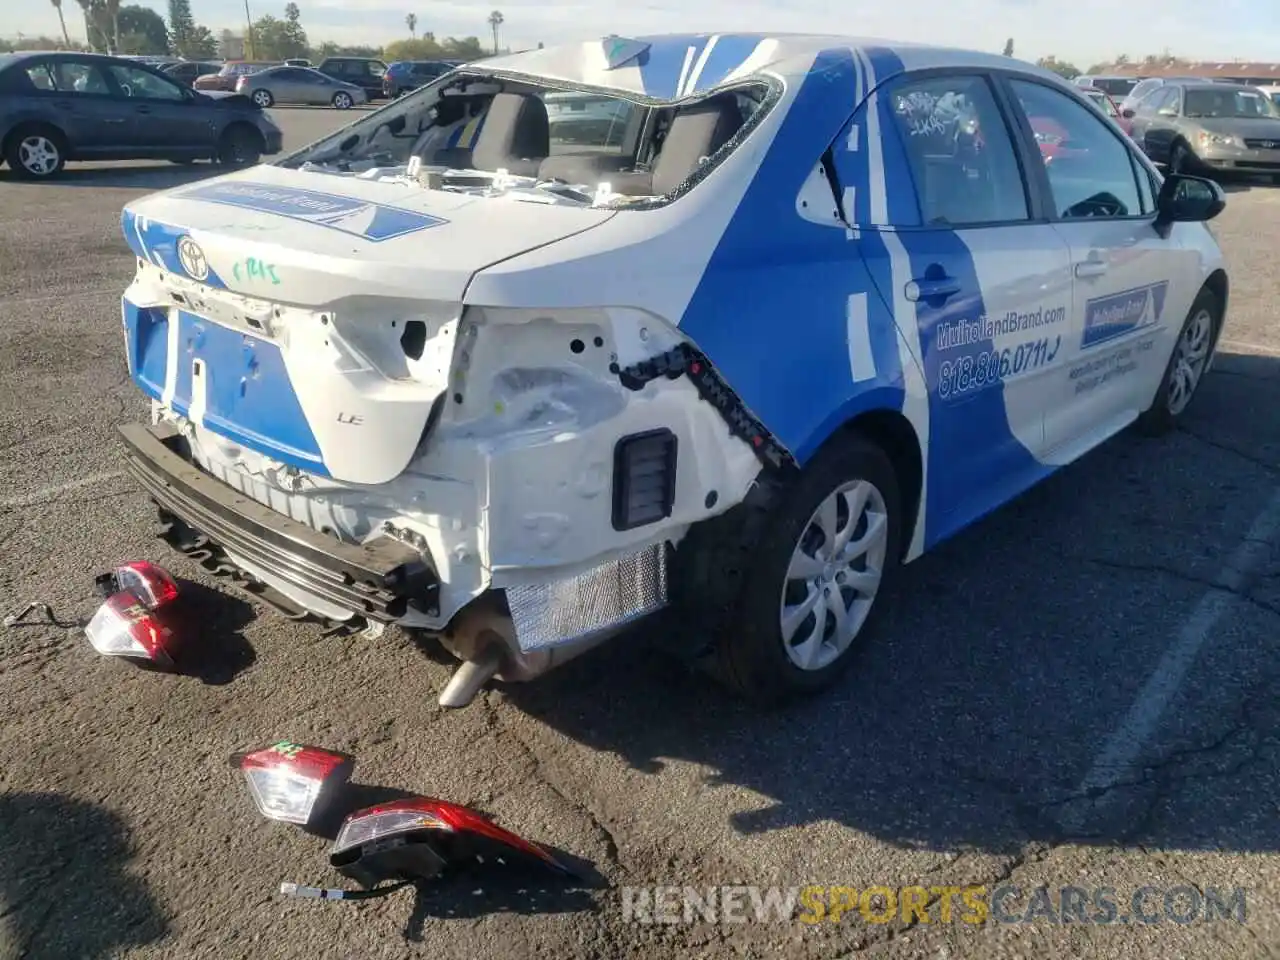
x: 417, y: 838
x: 125, y: 627
x: 134, y: 622
x: 293, y: 782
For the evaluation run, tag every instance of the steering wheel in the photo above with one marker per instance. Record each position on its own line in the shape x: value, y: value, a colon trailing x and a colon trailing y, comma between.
x: 126, y: 90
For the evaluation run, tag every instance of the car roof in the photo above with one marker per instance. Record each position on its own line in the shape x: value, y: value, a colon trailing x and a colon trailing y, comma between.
x: 676, y: 66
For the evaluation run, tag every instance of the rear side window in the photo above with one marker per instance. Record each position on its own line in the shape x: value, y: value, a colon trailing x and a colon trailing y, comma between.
x: 960, y: 152
x: 1091, y: 172
x: 67, y: 78
x: 579, y: 122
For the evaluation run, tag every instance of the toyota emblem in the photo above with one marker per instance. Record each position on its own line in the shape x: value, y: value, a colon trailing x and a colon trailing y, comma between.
x: 192, y: 259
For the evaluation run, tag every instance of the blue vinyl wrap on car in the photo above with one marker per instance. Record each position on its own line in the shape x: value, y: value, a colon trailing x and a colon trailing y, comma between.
x: 157, y: 243
x: 668, y: 70
x: 773, y: 316
x: 248, y: 395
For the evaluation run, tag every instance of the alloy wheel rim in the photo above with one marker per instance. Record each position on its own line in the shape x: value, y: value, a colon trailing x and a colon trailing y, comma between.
x: 834, y: 575
x: 343, y: 100
x: 1190, y: 356
x: 262, y: 99
x: 38, y: 155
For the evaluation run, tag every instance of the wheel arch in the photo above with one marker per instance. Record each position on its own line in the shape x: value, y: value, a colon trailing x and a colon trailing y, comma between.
x: 239, y: 123
x: 23, y: 124
x: 890, y: 430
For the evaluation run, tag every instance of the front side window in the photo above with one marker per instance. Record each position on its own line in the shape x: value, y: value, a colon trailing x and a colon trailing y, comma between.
x: 1090, y: 170
x: 141, y: 84
x: 960, y: 152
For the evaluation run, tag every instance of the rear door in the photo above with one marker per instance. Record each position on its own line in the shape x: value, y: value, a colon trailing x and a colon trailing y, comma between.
x: 77, y: 93
x: 1131, y: 287
x: 973, y: 279
x: 165, y: 119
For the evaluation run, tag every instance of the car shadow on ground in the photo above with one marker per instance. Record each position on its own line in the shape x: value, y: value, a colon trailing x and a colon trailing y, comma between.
x: 64, y: 889
x: 1004, y: 660
x: 159, y: 176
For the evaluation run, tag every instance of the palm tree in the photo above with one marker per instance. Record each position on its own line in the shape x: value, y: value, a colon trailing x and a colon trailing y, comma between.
x: 411, y: 21
x: 66, y: 37
x: 113, y: 10
x: 495, y: 21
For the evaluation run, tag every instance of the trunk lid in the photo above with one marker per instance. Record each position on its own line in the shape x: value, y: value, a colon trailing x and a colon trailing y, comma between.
x: 311, y: 317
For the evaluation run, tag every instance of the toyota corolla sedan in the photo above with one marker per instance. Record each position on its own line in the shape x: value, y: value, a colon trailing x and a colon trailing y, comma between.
x: 824, y: 303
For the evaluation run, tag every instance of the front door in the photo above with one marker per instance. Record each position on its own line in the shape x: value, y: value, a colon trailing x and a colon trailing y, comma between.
x: 165, y: 118
x: 1131, y: 286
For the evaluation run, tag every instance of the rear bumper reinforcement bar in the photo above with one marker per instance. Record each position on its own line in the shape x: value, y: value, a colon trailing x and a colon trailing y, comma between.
x: 379, y: 580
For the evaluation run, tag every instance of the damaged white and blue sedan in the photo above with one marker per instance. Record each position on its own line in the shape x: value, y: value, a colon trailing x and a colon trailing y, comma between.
x: 730, y: 324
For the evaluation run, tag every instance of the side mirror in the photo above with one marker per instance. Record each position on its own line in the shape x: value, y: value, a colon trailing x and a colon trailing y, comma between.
x: 1128, y: 113
x: 1185, y: 199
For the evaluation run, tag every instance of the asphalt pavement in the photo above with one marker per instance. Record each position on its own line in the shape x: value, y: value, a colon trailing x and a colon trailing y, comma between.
x: 1080, y: 691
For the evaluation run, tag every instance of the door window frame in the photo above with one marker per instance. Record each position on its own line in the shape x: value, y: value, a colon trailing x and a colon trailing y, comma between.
x: 52, y: 62
x: 1139, y: 165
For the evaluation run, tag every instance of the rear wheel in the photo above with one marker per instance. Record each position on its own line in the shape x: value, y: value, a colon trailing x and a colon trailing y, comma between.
x: 36, y: 152
x: 241, y: 146
x: 792, y: 584
x: 342, y: 100
x: 263, y: 98
x: 1185, y: 372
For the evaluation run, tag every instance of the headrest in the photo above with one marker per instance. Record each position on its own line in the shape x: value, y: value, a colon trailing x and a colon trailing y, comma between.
x: 516, y: 135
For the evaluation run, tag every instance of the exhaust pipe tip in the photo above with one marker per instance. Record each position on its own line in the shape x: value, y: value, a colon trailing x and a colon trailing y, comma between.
x: 469, y: 678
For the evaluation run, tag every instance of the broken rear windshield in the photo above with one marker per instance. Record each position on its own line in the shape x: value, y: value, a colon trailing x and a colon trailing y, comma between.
x: 480, y: 132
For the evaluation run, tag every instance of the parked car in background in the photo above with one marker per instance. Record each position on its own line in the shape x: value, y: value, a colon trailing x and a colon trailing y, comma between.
x: 405, y: 75
x: 298, y: 85
x: 59, y: 107
x: 1103, y: 102
x: 365, y: 72
x: 1145, y: 87
x: 226, y: 78
x: 298, y: 62
x: 1111, y: 86
x: 593, y: 121
x: 188, y: 71
x: 1206, y: 126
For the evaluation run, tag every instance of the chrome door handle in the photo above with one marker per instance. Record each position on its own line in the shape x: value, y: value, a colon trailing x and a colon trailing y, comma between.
x: 1091, y: 268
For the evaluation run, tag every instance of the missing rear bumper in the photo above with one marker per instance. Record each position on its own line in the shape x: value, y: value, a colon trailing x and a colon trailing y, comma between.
x: 381, y: 580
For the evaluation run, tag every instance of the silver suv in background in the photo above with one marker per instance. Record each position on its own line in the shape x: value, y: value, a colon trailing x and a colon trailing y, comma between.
x: 1208, y: 126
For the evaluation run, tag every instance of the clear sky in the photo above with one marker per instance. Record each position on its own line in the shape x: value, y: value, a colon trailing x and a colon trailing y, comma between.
x: 1082, y: 31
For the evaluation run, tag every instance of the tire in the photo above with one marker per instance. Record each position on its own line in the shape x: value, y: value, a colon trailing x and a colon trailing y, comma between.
x: 263, y: 98
x: 1198, y: 336
x: 731, y: 575
x: 36, y: 152
x: 342, y: 100
x: 241, y: 146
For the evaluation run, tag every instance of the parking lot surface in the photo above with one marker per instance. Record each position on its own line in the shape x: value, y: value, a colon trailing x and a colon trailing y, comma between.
x: 1079, y: 691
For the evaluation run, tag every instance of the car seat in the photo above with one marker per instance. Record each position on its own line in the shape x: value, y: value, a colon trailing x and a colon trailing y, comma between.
x: 516, y: 136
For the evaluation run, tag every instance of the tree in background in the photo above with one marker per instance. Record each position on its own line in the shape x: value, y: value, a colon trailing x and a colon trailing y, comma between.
x: 1068, y: 71
x: 428, y: 48
x: 66, y: 37
x: 280, y: 39
x: 1008, y: 47
x: 113, y: 19
x: 411, y: 21
x: 203, y: 45
x: 182, y: 26
x: 142, y: 31
x: 495, y: 21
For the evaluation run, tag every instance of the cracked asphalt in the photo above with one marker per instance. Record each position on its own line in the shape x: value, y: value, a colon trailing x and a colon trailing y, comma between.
x: 970, y: 747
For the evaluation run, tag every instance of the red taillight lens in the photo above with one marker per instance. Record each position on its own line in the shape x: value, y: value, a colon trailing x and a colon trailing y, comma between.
x: 427, y: 813
x: 288, y: 780
x: 125, y: 627
x: 149, y: 583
